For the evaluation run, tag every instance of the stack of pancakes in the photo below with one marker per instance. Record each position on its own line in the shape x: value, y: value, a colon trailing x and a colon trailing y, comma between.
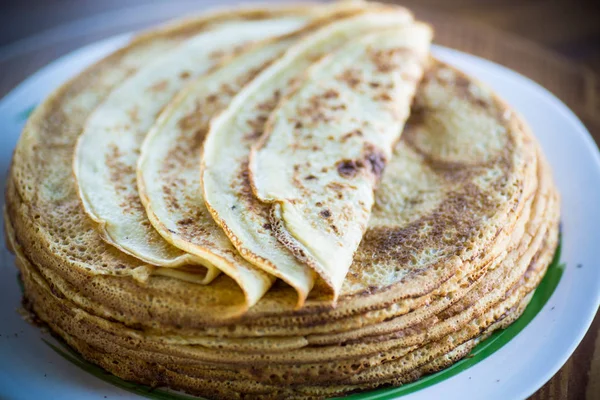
x: 463, y: 225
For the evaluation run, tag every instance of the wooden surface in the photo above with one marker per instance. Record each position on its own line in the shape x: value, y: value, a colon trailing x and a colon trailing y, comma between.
x: 554, y: 42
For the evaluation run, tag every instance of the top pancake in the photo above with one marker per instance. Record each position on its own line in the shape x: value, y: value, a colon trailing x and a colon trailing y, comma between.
x: 326, y: 145
x: 226, y: 150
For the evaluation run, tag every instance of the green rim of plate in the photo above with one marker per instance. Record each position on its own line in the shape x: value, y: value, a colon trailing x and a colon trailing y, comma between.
x: 26, y: 113
x: 479, y: 353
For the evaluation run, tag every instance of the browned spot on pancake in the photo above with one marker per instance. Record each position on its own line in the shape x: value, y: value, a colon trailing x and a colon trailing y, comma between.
x: 170, y: 198
x: 122, y: 175
x: 376, y: 160
x: 355, y: 132
x: 198, y: 119
x: 322, y: 107
x: 337, y: 186
x: 257, y: 124
x: 325, y: 213
x: 451, y: 225
x: 310, y: 177
x: 185, y: 75
x: 297, y: 182
x: 432, y: 73
x: 228, y: 89
x: 131, y: 204
x: 159, y: 86
x: 192, y: 119
x: 185, y: 221
x: 218, y: 55
x: 384, y: 96
x: 351, y: 77
x: 451, y: 170
x: 269, y: 104
x: 192, y: 223
x: 183, y: 156
x: 242, y: 185
x: 372, y: 157
x: 387, y: 60
x: 334, y: 229
x: 348, y: 168
x: 252, y: 73
x: 133, y: 114
x: 461, y: 84
x: 331, y: 94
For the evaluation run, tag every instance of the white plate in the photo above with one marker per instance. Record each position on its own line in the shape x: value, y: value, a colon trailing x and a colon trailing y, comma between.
x: 29, y: 368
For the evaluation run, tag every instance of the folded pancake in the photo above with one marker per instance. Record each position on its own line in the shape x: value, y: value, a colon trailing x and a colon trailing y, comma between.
x: 225, y: 180
x: 108, y: 148
x: 326, y: 146
x: 168, y: 168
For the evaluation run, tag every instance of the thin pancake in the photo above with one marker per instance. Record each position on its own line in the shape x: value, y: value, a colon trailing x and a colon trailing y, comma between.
x: 326, y: 145
x: 225, y: 180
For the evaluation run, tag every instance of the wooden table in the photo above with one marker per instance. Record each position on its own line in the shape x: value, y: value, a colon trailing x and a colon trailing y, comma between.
x: 554, y: 42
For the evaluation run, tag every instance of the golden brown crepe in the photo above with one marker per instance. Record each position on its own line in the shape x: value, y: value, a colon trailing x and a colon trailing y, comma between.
x: 326, y: 145
x: 225, y: 154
